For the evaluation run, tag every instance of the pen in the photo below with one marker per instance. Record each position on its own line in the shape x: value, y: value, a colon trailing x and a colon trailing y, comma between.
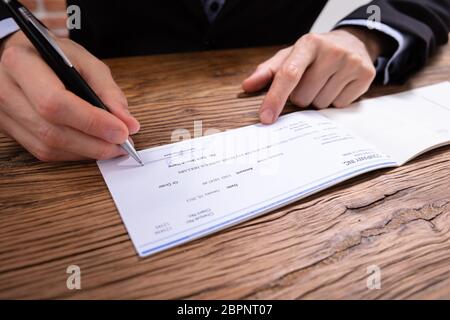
x: 53, y: 55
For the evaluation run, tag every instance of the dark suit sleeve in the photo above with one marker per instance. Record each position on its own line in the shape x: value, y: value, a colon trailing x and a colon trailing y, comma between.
x: 427, y: 22
x: 3, y: 12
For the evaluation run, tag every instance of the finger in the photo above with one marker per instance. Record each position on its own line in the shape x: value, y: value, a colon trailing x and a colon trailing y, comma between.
x: 13, y: 102
x: 24, y: 64
x: 66, y: 109
x: 32, y: 144
x: 313, y: 81
x: 76, y: 142
x: 287, y: 78
x: 54, y: 103
x: 332, y: 89
x: 46, y: 141
x: 265, y: 72
x: 16, y: 105
x: 119, y: 109
x: 99, y: 77
x: 351, y: 92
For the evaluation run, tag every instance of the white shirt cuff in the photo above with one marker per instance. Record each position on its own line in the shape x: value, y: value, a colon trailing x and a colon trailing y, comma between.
x: 7, y: 26
x: 403, y: 41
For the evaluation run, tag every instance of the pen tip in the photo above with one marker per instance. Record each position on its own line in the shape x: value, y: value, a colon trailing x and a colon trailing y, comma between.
x: 128, y: 147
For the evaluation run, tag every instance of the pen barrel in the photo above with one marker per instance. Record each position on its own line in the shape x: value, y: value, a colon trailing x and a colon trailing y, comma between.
x: 65, y: 71
x: 75, y: 83
x: 54, y: 56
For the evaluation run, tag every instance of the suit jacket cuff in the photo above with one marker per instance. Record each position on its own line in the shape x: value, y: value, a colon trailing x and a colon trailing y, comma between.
x: 386, y: 66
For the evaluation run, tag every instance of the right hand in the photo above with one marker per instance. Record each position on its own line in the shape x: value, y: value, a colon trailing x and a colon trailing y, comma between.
x: 52, y: 123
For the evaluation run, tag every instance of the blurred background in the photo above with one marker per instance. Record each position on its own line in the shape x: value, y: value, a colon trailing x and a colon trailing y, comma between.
x: 53, y: 13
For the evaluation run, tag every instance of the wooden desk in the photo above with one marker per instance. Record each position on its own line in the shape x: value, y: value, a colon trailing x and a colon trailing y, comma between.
x: 56, y: 215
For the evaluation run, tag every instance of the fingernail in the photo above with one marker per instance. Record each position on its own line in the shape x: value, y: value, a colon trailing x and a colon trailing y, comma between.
x: 135, y: 127
x: 114, y: 135
x: 267, y: 116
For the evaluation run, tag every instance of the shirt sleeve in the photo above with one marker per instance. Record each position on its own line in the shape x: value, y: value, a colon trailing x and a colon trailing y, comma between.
x: 386, y: 65
x: 7, y: 27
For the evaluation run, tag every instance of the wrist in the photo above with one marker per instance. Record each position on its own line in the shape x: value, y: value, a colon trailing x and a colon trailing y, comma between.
x: 377, y: 44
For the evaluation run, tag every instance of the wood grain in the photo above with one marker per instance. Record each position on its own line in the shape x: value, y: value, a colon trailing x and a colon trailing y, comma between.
x: 56, y: 215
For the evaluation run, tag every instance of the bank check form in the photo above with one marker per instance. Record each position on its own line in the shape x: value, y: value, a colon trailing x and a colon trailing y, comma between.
x: 195, y: 187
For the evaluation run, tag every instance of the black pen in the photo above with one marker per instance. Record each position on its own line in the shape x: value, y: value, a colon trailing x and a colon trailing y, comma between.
x: 44, y: 43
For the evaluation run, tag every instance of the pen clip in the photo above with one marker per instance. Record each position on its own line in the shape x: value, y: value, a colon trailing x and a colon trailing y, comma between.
x: 44, y: 32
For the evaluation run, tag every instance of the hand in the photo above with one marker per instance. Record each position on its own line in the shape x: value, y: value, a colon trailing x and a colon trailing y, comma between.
x: 51, y: 122
x: 334, y: 68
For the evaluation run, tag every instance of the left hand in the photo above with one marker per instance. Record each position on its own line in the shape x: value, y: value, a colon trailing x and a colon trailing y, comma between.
x: 334, y: 68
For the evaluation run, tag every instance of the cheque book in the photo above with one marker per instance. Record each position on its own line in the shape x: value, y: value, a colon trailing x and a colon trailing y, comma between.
x: 195, y: 187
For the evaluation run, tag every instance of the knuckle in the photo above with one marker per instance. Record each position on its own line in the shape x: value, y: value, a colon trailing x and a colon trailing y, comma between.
x: 91, y: 65
x: 354, y: 59
x: 339, y: 103
x: 363, y: 90
x: 10, y: 56
x: 64, y: 42
x: 320, y: 104
x: 44, y: 154
x: 103, y: 66
x: 91, y: 124
x: 282, y: 53
x: 121, y: 134
x: 103, y: 152
x: 289, y: 71
x: 300, y: 100
x: 48, y: 105
x: 274, y: 99
x: 369, y: 72
x: 310, y: 38
x: 336, y: 52
x: 260, y: 66
x: 49, y: 136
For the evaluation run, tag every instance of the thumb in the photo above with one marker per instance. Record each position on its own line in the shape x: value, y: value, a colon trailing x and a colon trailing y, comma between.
x: 259, y: 79
x: 265, y: 72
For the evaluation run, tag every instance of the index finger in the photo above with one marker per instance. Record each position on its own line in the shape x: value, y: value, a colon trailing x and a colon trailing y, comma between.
x: 99, y: 77
x: 286, y: 79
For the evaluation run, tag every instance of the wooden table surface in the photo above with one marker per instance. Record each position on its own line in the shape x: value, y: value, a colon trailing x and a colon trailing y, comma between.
x: 56, y: 215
